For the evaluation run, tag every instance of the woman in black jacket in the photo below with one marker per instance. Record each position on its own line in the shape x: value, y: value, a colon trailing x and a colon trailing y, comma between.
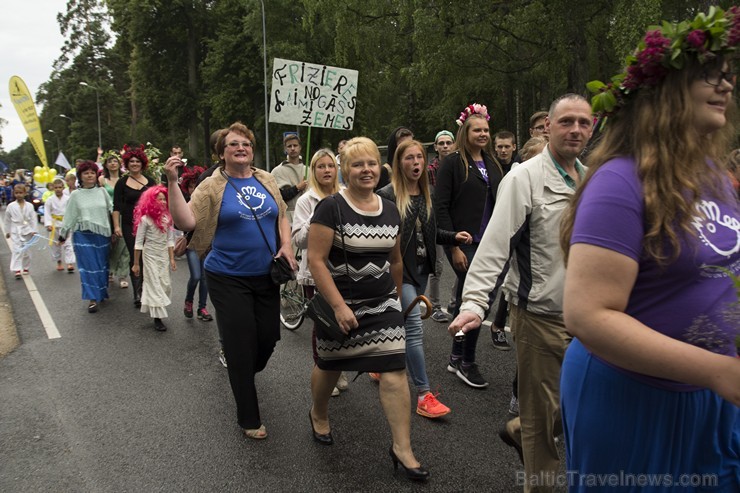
x: 409, y: 190
x: 465, y: 195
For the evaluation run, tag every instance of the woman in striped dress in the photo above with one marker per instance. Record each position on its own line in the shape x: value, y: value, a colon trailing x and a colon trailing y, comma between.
x: 354, y: 256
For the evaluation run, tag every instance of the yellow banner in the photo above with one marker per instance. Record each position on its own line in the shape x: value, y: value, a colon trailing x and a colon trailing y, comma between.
x: 23, y: 102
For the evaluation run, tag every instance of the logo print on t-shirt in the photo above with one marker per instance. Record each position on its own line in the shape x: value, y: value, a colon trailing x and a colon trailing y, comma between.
x: 713, y: 228
x: 255, y: 198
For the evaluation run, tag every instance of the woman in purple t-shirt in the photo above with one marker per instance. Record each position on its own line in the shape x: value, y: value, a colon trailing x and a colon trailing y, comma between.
x: 650, y: 386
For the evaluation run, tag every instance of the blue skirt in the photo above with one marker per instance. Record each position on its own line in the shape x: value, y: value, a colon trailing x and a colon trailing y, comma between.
x: 625, y: 435
x: 92, y: 251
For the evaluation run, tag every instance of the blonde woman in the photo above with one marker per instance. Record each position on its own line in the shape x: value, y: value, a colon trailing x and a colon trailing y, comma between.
x: 323, y: 180
x: 362, y: 282
x: 409, y: 190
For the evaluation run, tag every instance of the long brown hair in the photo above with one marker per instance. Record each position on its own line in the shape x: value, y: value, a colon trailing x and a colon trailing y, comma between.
x: 400, y: 182
x: 464, y: 146
x: 656, y: 128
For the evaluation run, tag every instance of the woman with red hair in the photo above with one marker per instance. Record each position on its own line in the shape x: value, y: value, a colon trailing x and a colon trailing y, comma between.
x: 155, y: 237
x: 125, y: 196
x: 88, y: 218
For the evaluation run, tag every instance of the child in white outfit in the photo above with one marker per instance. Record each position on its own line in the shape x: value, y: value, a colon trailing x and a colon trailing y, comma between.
x: 155, y: 242
x: 54, y: 209
x: 20, y: 227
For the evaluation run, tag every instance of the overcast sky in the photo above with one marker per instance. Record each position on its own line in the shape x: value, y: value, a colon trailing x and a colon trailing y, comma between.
x: 29, y: 43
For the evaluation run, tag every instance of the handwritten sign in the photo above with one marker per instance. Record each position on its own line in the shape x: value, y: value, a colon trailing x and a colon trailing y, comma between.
x: 313, y: 95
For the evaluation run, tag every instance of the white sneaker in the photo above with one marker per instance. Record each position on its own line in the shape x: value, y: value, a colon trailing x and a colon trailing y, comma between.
x: 335, y: 392
x: 222, y: 358
x: 342, y: 383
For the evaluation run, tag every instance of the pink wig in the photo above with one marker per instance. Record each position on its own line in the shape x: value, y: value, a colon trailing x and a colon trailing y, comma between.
x: 148, y: 206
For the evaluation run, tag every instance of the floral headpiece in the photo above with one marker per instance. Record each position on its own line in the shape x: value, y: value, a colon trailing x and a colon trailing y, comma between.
x: 137, y: 152
x: 668, y: 47
x: 473, y: 109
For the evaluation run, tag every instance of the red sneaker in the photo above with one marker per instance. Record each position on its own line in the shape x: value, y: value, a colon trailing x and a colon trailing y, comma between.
x: 430, y: 407
x: 204, y: 315
x: 188, y: 310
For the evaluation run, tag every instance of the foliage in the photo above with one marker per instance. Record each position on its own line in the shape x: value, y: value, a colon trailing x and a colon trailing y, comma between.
x: 177, y: 70
x: 667, y: 47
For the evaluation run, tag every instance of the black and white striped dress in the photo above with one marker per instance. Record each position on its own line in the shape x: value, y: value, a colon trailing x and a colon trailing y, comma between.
x: 379, y: 343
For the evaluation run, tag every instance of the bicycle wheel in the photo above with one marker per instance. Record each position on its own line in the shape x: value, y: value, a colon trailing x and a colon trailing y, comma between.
x: 292, y: 307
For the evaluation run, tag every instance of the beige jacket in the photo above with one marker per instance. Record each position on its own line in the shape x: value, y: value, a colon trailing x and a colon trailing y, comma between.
x: 206, y: 206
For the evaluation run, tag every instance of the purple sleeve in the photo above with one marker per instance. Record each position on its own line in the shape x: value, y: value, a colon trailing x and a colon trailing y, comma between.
x: 610, y: 211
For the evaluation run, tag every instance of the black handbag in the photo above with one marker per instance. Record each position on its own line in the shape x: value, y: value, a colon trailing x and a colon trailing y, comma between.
x: 280, y: 270
x: 320, y: 311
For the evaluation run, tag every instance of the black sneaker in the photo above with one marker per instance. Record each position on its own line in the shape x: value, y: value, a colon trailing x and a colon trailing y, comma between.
x: 453, y: 366
x: 471, y: 376
x: 439, y: 316
x: 499, y: 340
x: 159, y: 325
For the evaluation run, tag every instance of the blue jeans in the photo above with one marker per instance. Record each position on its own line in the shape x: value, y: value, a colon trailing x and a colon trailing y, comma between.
x: 196, y: 276
x: 415, y: 364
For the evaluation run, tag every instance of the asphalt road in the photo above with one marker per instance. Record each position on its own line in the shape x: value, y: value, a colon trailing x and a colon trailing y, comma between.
x: 111, y: 405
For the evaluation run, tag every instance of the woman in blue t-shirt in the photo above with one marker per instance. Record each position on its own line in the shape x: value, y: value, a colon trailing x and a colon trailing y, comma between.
x: 650, y: 385
x: 238, y: 218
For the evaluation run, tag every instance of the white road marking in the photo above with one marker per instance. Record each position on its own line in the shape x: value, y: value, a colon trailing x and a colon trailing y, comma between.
x: 49, y: 326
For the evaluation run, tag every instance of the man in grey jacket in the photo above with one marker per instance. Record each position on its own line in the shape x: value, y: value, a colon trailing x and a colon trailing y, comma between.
x: 523, y: 239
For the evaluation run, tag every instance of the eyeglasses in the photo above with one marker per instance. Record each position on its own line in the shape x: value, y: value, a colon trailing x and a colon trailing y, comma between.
x: 238, y: 145
x: 715, y: 77
x: 444, y: 143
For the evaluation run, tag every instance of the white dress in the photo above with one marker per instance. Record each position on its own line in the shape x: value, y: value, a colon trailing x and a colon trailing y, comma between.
x: 154, y: 244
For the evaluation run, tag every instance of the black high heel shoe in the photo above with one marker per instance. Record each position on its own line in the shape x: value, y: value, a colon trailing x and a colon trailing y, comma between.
x: 325, y: 439
x: 412, y: 473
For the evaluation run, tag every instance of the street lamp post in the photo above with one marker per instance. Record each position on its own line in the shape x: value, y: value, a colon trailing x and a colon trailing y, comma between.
x: 97, y: 102
x: 55, y: 135
x: 66, y: 140
x: 59, y: 145
x: 264, y: 61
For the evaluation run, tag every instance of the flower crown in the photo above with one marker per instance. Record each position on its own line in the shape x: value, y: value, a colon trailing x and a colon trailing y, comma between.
x: 668, y: 47
x: 473, y: 109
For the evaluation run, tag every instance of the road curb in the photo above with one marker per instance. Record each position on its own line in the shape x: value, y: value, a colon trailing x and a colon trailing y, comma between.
x: 8, y: 332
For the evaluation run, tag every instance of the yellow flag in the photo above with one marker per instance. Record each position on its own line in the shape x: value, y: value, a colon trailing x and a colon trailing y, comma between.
x: 23, y: 102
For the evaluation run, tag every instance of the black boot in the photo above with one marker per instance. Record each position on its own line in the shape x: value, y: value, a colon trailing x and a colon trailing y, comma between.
x: 136, y: 284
